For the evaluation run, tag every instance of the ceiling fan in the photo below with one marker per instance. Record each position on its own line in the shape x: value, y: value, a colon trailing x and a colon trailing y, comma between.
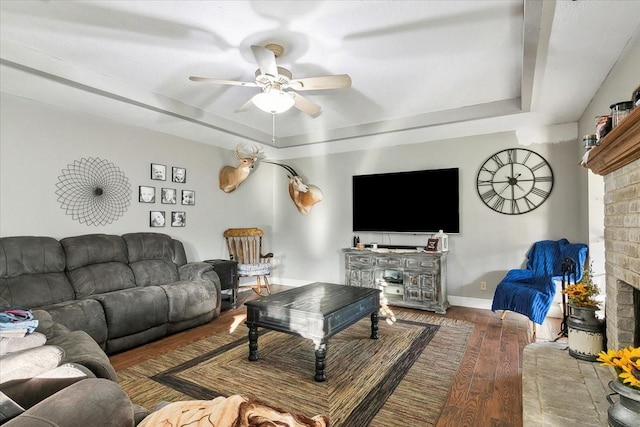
x: 279, y: 88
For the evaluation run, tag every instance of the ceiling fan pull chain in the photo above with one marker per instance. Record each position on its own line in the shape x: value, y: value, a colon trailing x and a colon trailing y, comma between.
x: 273, y: 129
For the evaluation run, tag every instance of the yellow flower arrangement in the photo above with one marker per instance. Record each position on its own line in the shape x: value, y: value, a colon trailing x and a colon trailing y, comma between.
x: 626, y: 363
x: 583, y: 294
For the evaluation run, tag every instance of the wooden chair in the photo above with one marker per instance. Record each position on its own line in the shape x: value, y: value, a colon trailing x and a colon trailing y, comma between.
x: 245, y: 246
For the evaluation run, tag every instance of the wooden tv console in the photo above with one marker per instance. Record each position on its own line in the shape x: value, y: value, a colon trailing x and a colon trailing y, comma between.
x: 407, y: 278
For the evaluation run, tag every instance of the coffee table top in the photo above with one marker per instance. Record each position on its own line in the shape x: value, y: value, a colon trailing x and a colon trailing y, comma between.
x: 318, y: 297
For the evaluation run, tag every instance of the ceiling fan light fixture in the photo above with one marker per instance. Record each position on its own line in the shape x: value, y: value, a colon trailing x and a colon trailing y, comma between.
x: 274, y: 101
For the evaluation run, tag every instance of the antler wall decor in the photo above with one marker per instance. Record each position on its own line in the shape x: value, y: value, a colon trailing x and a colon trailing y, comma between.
x: 304, y: 196
x: 231, y: 177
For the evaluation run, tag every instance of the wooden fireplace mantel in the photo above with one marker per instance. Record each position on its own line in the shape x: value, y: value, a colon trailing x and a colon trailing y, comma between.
x: 618, y: 148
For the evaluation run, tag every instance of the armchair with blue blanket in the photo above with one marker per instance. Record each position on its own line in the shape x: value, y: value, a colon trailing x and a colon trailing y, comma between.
x: 530, y: 291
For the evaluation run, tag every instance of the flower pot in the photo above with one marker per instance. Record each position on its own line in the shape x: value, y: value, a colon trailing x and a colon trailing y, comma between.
x: 626, y: 411
x: 586, y: 333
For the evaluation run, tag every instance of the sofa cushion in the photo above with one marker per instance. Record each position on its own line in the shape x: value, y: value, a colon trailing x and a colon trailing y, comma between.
x: 32, y: 272
x: 97, y: 263
x: 134, y: 310
x: 151, y: 257
x: 80, y: 315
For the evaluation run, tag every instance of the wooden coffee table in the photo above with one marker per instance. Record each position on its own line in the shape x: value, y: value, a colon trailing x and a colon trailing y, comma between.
x: 316, y: 311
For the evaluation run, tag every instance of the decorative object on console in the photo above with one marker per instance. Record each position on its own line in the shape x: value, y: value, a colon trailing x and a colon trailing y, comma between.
x: 93, y: 191
x: 304, y: 196
x: 231, y: 177
x: 443, y: 241
x: 514, y: 181
x: 432, y: 245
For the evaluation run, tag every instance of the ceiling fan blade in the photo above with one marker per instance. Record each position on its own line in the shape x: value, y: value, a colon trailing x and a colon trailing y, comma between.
x: 245, y: 106
x: 337, y: 81
x: 222, y: 82
x: 304, y: 105
x: 266, y: 60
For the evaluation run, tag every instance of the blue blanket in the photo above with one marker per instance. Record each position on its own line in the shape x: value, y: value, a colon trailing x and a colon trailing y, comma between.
x: 530, y: 291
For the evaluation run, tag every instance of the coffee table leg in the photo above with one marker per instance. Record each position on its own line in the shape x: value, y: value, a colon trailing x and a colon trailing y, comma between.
x: 321, y: 357
x: 253, y: 343
x: 374, y: 325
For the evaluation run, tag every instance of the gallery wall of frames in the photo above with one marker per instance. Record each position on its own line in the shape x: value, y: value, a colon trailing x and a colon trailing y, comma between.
x: 170, y: 193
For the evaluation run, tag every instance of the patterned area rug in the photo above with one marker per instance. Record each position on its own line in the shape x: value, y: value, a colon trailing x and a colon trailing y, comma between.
x: 401, y: 379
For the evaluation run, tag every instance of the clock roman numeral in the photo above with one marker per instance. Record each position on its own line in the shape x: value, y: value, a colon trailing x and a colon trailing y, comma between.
x: 512, y: 156
x: 538, y: 192
x: 548, y: 178
x: 484, y: 182
x: 499, y: 162
x: 498, y: 203
x: 538, y: 166
x: 529, y: 203
x: 514, y: 207
x: 488, y: 195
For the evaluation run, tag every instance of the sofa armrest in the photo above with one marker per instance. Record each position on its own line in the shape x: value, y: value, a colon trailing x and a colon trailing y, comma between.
x: 47, y: 326
x: 90, y: 402
x: 194, y: 270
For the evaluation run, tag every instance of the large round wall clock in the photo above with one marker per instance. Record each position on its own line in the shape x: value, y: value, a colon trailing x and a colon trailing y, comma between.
x: 514, y: 181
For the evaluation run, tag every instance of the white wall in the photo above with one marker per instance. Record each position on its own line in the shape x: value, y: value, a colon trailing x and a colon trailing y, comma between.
x: 489, y: 243
x: 38, y: 141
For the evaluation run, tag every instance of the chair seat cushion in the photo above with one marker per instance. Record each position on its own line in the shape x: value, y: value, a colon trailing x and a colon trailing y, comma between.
x: 255, y: 269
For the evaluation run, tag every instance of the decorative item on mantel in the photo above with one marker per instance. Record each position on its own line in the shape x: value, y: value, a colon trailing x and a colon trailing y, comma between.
x: 586, y: 331
x: 626, y: 363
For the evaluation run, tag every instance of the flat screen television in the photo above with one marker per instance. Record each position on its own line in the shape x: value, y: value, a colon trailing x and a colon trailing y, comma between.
x: 423, y: 201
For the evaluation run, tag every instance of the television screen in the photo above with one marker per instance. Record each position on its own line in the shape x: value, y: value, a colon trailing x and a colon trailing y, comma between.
x: 407, y: 202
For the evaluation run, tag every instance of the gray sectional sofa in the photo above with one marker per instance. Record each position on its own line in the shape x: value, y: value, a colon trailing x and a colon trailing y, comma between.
x: 93, y: 295
x: 124, y: 291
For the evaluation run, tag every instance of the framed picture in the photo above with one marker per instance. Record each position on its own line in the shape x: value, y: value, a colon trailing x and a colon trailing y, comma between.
x: 432, y: 245
x: 147, y: 194
x: 178, y: 219
x: 188, y: 197
x: 178, y: 175
x: 168, y: 196
x: 156, y: 218
x: 158, y: 172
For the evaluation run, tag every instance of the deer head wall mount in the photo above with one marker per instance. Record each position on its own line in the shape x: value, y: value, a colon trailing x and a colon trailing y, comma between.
x: 231, y: 177
x: 304, y: 196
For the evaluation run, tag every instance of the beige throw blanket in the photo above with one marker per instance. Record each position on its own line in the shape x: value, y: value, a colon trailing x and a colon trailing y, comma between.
x: 232, y: 411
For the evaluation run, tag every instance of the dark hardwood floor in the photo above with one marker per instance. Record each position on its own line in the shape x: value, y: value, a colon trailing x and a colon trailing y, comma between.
x: 488, y: 387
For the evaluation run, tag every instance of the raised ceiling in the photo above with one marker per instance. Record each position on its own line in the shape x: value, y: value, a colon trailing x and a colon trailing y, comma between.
x: 414, y: 64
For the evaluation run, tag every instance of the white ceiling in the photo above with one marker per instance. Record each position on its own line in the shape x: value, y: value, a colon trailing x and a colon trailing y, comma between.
x: 414, y: 64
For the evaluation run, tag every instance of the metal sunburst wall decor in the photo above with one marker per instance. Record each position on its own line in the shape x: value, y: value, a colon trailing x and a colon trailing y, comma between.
x: 93, y: 191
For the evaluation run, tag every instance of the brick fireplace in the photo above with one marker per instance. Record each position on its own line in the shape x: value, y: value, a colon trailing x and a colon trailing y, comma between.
x: 617, y: 159
x: 622, y: 249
